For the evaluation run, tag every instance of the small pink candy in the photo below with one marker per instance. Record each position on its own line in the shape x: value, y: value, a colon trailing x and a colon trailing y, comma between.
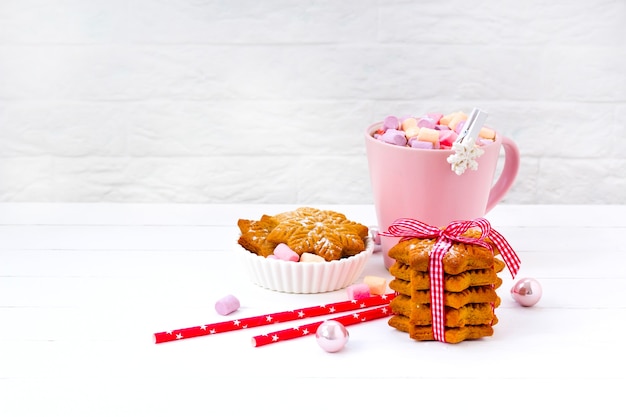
x: 227, y: 305
x: 284, y: 252
x: 447, y: 138
x: 426, y: 122
x: 459, y: 126
x: 391, y: 122
x: 394, y: 137
x: 358, y: 291
x: 420, y: 144
x: 435, y: 116
x: 375, y: 235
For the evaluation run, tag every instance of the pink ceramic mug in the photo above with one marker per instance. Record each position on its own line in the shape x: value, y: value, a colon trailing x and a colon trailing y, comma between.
x: 420, y: 184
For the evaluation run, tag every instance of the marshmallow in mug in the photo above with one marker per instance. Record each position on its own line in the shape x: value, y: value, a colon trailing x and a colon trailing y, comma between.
x: 431, y: 131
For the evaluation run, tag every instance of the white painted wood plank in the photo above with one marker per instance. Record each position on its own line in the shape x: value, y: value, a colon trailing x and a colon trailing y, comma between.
x: 114, y: 343
x: 117, y: 237
x: 138, y: 395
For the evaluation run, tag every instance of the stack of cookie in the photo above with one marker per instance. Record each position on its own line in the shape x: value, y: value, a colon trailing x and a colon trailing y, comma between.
x: 470, y: 283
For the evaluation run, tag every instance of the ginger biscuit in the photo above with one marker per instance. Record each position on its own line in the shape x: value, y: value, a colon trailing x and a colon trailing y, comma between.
x: 470, y: 295
x: 421, y: 281
x: 470, y: 282
x: 326, y: 233
x: 452, y: 334
x: 459, y: 258
x: 420, y: 314
x: 254, y: 234
x: 323, y: 232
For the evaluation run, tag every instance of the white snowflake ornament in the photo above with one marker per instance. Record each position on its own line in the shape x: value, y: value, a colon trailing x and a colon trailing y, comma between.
x: 465, y: 149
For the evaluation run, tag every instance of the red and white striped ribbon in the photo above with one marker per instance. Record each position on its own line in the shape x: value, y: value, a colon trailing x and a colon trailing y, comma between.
x: 410, y: 228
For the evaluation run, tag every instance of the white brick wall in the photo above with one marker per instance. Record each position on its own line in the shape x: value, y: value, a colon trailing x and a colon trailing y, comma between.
x: 266, y: 101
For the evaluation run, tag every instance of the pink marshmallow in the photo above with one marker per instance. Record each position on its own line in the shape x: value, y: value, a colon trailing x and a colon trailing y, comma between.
x: 420, y: 144
x: 375, y: 235
x: 394, y: 137
x: 391, y: 122
x: 227, y: 305
x: 358, y: 291
x: 426, y: 122
x: 447, y: 138
x: 435, y: 116
x: 284, y: 252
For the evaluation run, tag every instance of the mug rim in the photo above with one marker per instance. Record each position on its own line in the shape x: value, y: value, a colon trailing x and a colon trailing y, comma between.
x: 374, y: 126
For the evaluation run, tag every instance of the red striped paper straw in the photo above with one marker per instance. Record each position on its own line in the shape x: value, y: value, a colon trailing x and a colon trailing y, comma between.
x: 300, y: 331
x: 272, y: 318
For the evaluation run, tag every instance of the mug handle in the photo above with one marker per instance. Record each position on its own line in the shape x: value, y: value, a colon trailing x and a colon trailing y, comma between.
x: 508, y: 174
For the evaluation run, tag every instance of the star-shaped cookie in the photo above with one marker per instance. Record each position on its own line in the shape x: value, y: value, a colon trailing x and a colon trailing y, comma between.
x: 323, y: 232
x: 460, y: 257
x: 254, y: 234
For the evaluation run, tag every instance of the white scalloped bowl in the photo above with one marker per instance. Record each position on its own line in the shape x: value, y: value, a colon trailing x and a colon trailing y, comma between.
x: 304, y: 277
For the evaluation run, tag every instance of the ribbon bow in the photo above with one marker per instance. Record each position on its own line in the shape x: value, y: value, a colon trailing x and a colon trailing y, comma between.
x: 410, y: 228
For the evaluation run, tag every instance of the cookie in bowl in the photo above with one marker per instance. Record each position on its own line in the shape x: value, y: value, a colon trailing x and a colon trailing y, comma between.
x: 330, y: 250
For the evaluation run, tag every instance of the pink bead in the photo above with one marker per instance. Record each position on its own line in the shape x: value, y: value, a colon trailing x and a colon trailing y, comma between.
x: 526, y: 291
x: 375, y: 235
x: 284, y: 252
x: 332, y: 336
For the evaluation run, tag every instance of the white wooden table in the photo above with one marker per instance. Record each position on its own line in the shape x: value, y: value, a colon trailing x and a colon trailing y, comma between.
x: 83, y: 288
